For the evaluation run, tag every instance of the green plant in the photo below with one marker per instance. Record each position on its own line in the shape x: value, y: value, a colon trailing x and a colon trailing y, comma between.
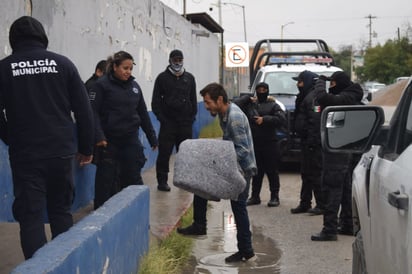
x: 169, y: 255
x: 212, y: 130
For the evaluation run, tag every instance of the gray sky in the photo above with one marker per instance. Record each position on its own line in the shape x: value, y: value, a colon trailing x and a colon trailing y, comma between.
x: 339, y: 23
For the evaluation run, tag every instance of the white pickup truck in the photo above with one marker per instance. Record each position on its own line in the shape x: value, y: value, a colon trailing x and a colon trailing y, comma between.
x: 382, y: 181
x: 277, y: 67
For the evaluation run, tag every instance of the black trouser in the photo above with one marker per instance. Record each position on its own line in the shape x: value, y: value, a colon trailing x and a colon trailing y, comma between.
x: 170, y: 135
x: 267, y: 160
x: 336, y: 186
x: 311, y: 174
x: 119, y: 166
x: 345, y: 216
x: 40, y: 185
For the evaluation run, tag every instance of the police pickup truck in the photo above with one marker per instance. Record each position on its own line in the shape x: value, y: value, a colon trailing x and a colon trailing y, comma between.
x: 381, y: 183
x: 276, y: 61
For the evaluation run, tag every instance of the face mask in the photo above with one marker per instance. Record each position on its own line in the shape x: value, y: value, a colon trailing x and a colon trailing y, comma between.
x: 176, y: 67
x: 262, y: 97
x: 333, y: 90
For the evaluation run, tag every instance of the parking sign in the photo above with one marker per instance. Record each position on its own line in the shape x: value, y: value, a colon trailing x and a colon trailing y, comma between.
x: 237, y: 54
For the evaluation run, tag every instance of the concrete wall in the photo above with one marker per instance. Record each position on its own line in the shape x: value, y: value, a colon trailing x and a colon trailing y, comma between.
x: 110, y: 240
x: 88, y: 31
x: 91, y: 30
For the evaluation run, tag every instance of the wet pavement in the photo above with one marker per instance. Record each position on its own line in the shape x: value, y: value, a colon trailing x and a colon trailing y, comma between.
x: 209, y: 252
x: 281, y: 240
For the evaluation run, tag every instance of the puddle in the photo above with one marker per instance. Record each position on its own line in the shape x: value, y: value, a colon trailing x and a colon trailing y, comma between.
x: 264, y: 263
x: 210, y: 251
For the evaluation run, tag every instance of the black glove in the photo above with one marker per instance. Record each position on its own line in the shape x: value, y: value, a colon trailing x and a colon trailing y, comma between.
x: 324, y: 78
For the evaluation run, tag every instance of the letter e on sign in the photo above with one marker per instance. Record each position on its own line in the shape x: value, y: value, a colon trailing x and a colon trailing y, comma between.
x: 237, y: 54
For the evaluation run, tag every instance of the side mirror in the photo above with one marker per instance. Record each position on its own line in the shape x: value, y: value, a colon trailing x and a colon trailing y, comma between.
x: 350, y: 129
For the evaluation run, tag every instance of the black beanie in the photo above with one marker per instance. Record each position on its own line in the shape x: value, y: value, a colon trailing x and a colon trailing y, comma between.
x: 342, y: 80
x: 27, y: 28
x: 176, y: 53
x: 262, y: 85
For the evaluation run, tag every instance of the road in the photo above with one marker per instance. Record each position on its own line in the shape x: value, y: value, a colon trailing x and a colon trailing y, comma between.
x: 281, y: 240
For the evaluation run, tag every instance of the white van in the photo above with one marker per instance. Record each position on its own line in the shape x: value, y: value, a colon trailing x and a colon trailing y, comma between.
x: 401, y: 78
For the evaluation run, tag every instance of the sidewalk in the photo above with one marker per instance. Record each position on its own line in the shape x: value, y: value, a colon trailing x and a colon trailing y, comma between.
x: 166, y: 209
x: 281, y: 240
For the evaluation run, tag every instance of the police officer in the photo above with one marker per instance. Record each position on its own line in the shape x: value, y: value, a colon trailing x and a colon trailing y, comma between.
x: 174, y: 103
x: 120, y: 111
x: 307, y: 126
x: 99, y: 71
x: 337, y: 168
x: 38, y: 91
x: 265, y: 118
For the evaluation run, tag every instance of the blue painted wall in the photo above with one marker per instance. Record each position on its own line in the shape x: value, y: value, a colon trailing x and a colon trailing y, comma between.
x: 6, y: 187
x: 84, y: 177
x: 112, y: 239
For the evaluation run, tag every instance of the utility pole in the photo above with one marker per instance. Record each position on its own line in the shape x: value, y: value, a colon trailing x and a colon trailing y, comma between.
x: 244, y: 18
x: 222, y: 50
x: 184, y: 8
x: 281, y: 33
x: 370, y: 17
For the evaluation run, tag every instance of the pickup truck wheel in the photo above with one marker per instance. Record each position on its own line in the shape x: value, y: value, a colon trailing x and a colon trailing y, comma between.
x: 358, y: 262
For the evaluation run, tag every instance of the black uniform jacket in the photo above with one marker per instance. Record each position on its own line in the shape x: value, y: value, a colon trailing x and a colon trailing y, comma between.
x: 174, y: 98
x: 307, y: 120
x: 120, y: 110
x: 39, y: 91
x: 351, y: 95
x: 274, y: 118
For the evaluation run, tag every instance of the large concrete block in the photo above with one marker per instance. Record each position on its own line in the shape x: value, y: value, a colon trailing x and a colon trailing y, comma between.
x: 110, y: 240
x: 209, y: 169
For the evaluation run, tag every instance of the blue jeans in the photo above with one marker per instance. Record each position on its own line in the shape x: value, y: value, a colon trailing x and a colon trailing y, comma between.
x: 244, y: 236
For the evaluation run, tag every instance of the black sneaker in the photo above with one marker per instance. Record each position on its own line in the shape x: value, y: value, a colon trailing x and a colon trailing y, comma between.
x: 253, y: 201
x: 163, y: 187
x: 193, y: 229
x: 299, y: 209
x: 239, y: 257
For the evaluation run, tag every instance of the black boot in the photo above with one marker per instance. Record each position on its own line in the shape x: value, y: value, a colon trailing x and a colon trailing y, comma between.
x: 274, y: 200
x: 254, y: 200
x: 322, y: 237
x: 300, y: 209
x: 274, y: 186
x: 162, y: 181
